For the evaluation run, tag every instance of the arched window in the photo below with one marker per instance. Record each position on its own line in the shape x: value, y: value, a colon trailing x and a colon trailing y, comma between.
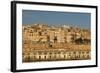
x: 50, y: 57
x: 64, y: 56
x: 55, y: 39
x: 45, y: 57
x: 39, y: 57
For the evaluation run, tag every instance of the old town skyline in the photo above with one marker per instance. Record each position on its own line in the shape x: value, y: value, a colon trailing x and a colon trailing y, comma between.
x: 51, y: 43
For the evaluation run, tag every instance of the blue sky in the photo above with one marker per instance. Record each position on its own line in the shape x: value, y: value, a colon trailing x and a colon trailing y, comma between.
x: 55, y: 18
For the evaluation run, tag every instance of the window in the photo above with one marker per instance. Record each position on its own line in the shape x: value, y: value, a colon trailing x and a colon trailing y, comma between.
x: 55, y: 39
x: 40, y: 33
x: 44, y: 57
x: 39, y: 57
x: 50, y: 56
x: 64, y: 56
x: 88, y: 56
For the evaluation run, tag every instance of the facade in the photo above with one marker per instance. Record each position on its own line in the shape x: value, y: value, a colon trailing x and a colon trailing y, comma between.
x: 45, y: 43
x: 57, y: 54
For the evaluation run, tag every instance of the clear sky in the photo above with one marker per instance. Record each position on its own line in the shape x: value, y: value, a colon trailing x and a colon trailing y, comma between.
x: 55, y: 18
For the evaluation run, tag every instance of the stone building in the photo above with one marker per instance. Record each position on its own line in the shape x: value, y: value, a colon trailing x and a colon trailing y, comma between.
x: 55, y: 35
x: 49, y: 43
x: 58, y: 54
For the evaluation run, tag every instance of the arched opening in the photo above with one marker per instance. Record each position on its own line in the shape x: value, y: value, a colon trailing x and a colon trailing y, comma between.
x: 55, y: 39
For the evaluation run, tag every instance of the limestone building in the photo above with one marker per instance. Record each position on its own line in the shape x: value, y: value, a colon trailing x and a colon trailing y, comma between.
x: 48, y: 43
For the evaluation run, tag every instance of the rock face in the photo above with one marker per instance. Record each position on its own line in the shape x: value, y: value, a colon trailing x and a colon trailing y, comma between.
x: 47, y: 39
